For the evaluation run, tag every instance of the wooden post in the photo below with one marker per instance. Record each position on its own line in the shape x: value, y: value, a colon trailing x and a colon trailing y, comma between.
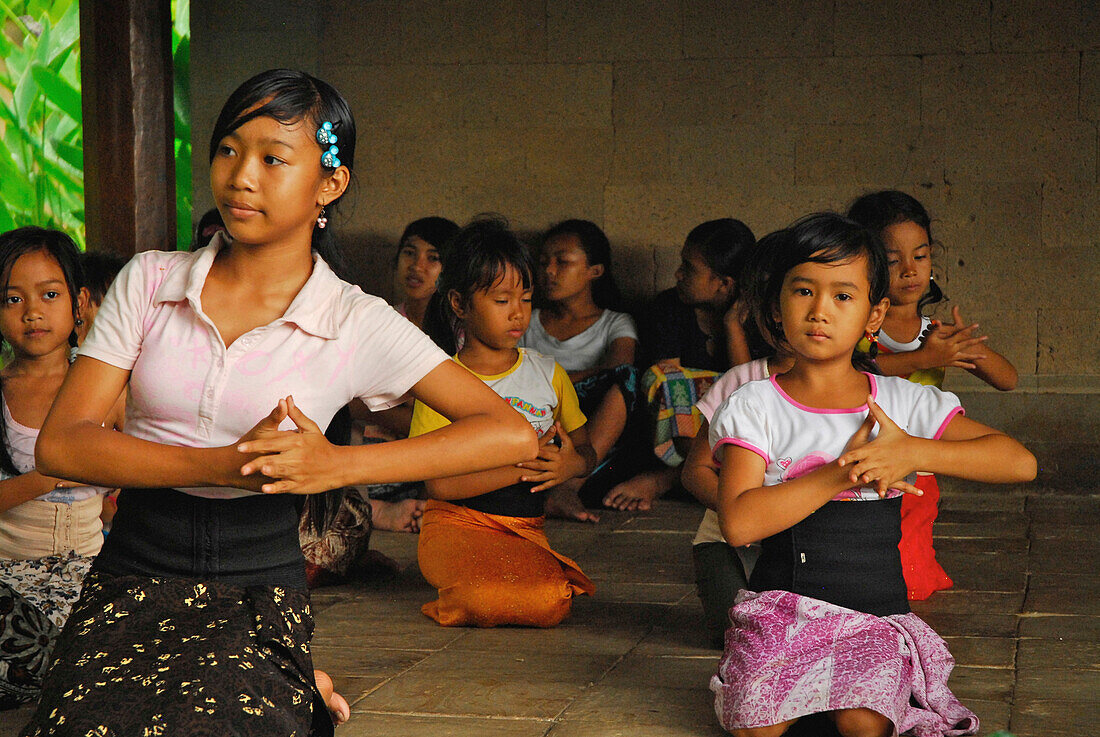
x: 129, y: 157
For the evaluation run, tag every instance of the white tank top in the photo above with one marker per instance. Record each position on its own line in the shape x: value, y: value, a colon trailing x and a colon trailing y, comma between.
x: 21, y: 441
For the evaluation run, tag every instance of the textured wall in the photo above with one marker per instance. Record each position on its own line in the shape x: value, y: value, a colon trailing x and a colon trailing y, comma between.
x: 651, y: 116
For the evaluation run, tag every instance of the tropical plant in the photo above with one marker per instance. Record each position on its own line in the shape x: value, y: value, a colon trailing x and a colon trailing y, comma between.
x: 41, y: 124
x: 41, y: 132
x: 181, y: 77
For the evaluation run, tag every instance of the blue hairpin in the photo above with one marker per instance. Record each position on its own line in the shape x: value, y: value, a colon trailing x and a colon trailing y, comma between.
x: 328, y: 158
x: 326, y: 137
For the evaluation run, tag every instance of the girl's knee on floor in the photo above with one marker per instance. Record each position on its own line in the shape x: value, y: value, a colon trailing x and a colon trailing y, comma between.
x: 774, y: 730
x: 528, y: 603
x: 862, y: 723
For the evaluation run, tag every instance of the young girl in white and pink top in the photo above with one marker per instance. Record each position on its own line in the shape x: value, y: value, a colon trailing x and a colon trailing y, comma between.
x: 195, y: 618
x: 814, y: 461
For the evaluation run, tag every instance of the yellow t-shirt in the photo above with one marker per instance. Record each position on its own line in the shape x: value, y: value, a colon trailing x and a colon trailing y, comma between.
x: 536, y: 387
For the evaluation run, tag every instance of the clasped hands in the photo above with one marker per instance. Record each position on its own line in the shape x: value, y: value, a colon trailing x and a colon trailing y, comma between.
x: 882, y: 463
x: 554, y: 463
x: 299, y: 461
x: 952, y: 344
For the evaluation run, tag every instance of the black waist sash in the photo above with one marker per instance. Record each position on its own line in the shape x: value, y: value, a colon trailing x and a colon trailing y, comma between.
x: 514, y: 500
x: 250, y: 541
x: 845, y: 553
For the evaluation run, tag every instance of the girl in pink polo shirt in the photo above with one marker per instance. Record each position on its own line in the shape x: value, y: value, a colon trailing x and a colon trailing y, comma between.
x: 195, y: 617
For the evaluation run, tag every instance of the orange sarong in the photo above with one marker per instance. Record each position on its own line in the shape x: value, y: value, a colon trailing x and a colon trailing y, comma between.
x: 492, y: 570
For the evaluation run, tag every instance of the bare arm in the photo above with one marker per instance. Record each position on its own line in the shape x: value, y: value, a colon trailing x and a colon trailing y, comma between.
x: 485, y: 433
x: 553, y: 465
x: 24, y: 487
x: 995, y: 370
x: 991, y: 367
x: 395, y: 420
x: 74, y: 444
x: 967, y: 449
x: 700, y: 472
x: 620, y: 351
x: 749, y: 512
x: 473, y: 484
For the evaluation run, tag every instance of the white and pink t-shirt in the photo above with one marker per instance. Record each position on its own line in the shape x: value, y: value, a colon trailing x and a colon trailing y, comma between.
x: 709, y: 530
x: 333, y: 344
x: 794, y: 439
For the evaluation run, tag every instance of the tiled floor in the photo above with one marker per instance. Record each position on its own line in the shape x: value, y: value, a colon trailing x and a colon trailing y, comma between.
x: 1023, y: 623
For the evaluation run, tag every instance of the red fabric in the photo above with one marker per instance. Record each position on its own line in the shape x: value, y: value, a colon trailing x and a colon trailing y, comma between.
x: 923, y: 573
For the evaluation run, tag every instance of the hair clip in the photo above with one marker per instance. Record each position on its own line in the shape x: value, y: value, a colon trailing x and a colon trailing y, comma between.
x: 328, y: 158
x: 326, y: 137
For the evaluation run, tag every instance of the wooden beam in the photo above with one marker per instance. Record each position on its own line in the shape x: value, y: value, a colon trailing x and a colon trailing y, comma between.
x: 129, y: 157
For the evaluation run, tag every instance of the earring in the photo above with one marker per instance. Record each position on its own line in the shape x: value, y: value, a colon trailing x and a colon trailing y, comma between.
x: 322, y: 221
x: 79, y: 322
x: 872, y: 340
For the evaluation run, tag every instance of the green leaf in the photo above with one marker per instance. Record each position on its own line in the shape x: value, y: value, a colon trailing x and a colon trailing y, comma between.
x: 25, y: 93
x: 70, y: 154
x: 181, y: 13
x: 181, y: 81
x: 42, y: 47
x: 13, y: 16
x: 58, y: 91
x: 7, y: 221
x: 66, y: 31
x: 15, y: 186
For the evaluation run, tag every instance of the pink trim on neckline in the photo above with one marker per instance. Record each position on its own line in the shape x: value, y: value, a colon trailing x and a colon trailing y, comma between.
x: 820, y: 411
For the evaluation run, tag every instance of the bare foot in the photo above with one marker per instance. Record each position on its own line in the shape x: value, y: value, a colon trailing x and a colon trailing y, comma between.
x: 564, y: 502
x: 638, y: 493
x: 337, y: 705
x: 402, y: 516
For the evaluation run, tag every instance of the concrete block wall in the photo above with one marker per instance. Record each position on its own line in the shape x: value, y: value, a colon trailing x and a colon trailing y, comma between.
x: 650, y: 116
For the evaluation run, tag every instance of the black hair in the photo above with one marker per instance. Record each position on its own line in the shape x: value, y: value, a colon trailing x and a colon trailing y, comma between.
x: 207, y: 227
x: 822, y: 238
x: 723, y: 245
x: 100, y: 269
x: 20, y: 242
x: 880, y: 210
x: 290, y: 97
x: 597, y: 250
x: 474, y: 259
x: 752, y: 286
x: 433, y: 230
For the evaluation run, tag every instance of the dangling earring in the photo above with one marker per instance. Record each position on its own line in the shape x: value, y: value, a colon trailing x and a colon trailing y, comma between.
x: 322, y: 221
x: 872, y: 339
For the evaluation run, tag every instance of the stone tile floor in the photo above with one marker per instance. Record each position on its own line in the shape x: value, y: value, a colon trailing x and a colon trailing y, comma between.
x: 1023, y: 622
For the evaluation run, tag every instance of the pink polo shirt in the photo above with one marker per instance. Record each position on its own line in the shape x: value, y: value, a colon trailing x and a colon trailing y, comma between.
x: 333, y: 344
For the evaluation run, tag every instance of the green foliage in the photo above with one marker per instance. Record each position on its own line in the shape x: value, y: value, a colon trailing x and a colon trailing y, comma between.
x: 41, y: 132
x: 181, y: 76
x: 41, y: 124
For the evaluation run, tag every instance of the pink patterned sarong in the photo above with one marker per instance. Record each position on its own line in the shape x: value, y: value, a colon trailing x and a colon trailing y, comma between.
x: 788, y: 656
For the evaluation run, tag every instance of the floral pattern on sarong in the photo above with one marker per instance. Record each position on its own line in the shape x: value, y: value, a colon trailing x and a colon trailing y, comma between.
x: 789, y: 656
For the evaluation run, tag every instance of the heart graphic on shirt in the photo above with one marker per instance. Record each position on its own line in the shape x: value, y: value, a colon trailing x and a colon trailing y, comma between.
x: 784, y: 463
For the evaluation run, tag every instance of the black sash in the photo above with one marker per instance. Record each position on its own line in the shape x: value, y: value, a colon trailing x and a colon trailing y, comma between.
x: 250, y: 541
x: 845, y: 553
